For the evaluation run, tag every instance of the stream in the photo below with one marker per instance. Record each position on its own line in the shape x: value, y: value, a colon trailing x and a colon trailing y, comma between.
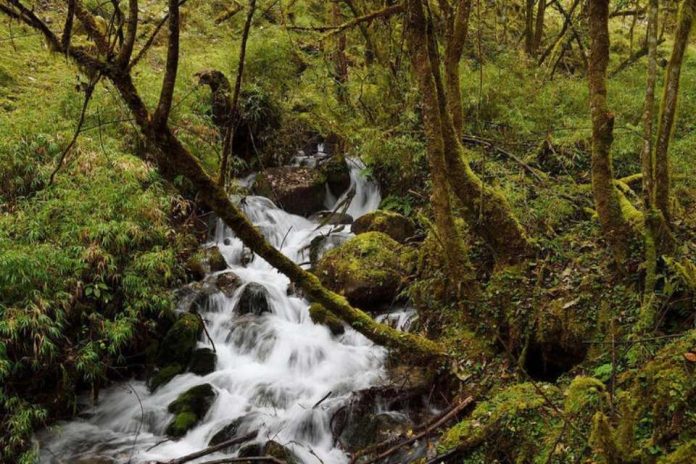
x: 278, y: 373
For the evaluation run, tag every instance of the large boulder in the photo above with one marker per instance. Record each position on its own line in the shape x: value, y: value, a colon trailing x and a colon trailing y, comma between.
x: 253, y: 300
x: 203, y: 361
x: 180, y: 341
x: 189, y: 408
x: 366, y: 269
x: 298, y: 190
x: 228, y: 283
x: 164, y: 375
x: 395, y: 225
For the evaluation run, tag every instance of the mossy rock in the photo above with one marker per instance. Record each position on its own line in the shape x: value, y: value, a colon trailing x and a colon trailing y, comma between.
x: 320, y: 315
x: 164, y: 375
x: 180, y: 341
x: 366, y: 429
x: 205, y: 261
x: 331, y: 218
x: 216, y: 261
x: 247, y: 451
x: 366, y: 269
x: 228, y: 432
x: 337, y: 174
x: 274, y: 449
x: 203, y: 361
x: 297, y: 190
x: 189, y: 408
x: 395, y: 225
x: 253, y: 300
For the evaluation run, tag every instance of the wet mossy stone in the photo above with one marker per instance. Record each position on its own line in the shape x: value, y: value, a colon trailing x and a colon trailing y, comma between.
x: 368, y: 428
x: 274, y: 449
x: 297, y: 190
x: 203, y: 361
x: 337, y: 174
x: 195, y: 267
x: 164, y: 375
x: 253, y: 300
x: 189, y: 408
x: 321, y: 316
x: 395, y: 225
x: 180, y: 341
x: 228, y: 432
x: 367, y: 269
x: 215, y: 259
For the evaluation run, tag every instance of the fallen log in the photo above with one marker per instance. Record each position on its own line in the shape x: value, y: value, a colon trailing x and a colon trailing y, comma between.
x: 213, y: 449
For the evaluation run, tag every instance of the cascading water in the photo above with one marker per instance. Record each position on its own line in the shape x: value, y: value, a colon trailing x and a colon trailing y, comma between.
x: 272, y: 369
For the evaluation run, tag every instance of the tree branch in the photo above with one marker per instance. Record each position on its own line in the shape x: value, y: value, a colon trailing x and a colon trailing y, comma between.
x: 165, y: 101
x: 383, y: 13
x: 126, y: 51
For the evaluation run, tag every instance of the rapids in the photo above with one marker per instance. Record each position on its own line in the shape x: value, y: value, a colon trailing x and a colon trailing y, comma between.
x: 271, y: 370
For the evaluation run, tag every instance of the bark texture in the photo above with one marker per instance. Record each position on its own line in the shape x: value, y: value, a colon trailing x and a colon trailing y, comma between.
x: 614, y: 225
x: 668, y: 111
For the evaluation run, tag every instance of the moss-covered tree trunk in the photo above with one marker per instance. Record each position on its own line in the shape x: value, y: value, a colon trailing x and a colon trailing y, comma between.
x: 668, y: 109
x: 615, y: 227
x: 486, y: 210
x: 458, y: 267
x: 457, y: 26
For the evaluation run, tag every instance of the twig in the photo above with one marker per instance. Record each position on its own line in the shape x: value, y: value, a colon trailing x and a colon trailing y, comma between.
x: 322, y: 400
x: 218, y: 447
x: 207, y: 334
x: 383, y: 13
x: 89, y: 91
x: 246, y: 460
x: 490, y: 145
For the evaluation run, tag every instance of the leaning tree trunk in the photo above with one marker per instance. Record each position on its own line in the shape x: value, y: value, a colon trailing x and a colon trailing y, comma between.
x: 615, y: 227
x: 529, y: 27
x: 669, y: 107
x: 539, y: 25
x: 458, y: 267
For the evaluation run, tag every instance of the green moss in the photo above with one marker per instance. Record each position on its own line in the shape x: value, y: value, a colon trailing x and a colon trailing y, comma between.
x: 685, y: 454
x: 585, y: 395
x: 180, y: 340
x: 321, y: 316
x: 164, y: 375
x: 189, y: 408
x: 366, y: 269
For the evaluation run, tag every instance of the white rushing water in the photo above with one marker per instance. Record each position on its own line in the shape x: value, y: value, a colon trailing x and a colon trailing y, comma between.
x: 271, y: 369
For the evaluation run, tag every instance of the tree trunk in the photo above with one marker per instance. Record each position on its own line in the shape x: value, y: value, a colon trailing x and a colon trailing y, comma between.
x: 669, y: 108
x: 455, y: 38
x: 614, y: 225
x: 529, y: 27
x: 459, y: 269
x: 339, y: 55
x: 539, y: 29
x: 486, y: 210
x: 647, y: 160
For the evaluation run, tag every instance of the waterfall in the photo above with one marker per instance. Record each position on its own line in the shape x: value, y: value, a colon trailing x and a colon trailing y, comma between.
x: 271, y: 369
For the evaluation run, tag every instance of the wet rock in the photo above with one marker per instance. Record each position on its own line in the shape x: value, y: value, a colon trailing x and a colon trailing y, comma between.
x: 180, y: 341
x: 320, y: 315
x: 94, y: 460
x: 366, y: 269
x: 216, y: 261
x: 228, y: 283
x: 278, y: 451
x: 297, y: 190
x: 203, y: 361
x: 189, y: 408
x: 164, y: 375
x: 366, y: 429
x: 204, y: 262
x: 395, y: 225
x: 331, y: 218
x: 228, y: 432
x: 337, y: 174
x: 253, y: 300
x: 254, y: 449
